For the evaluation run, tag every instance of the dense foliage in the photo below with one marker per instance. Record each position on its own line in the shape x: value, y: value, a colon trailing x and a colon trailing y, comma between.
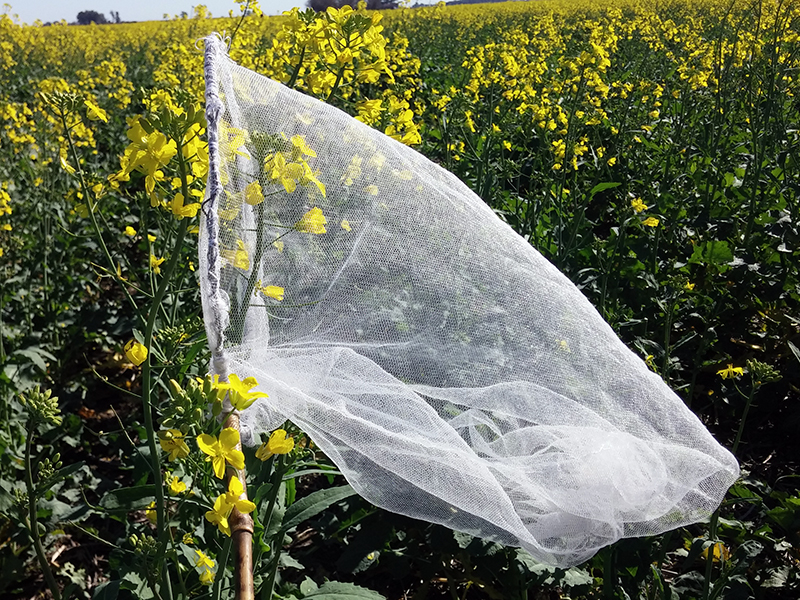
x: 649, y: 149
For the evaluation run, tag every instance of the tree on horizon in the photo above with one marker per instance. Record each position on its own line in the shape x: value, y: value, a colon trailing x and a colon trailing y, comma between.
x: 85, y: 17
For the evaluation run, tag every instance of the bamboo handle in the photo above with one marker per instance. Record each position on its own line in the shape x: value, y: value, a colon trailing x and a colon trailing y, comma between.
x: 242, y: 533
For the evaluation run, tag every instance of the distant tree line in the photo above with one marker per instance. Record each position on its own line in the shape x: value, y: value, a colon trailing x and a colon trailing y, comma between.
x: 321, y: 5
x: 453, y: 2
x: 86, y: 17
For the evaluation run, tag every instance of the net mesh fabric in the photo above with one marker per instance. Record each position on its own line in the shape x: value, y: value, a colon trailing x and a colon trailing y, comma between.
x: 450, y: 371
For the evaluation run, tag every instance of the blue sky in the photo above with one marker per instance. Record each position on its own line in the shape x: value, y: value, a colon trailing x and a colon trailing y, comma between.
x: 55, y: 10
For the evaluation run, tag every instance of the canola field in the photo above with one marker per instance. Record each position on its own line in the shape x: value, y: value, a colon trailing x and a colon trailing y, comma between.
x: 650, y: 150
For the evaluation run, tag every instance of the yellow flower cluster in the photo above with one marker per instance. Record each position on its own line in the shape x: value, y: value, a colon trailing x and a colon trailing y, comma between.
x: 222, y: 450
x: 147, y: 152
x: 5, y: 210
x: 238, y: 390
x: 321, y: 52
x: 206, y: 566
x: 289, y: 167
x: 278, y: 443
x: 226, y: 502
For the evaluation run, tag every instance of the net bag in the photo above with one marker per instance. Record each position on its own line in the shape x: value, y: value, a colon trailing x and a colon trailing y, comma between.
x: 450, y: 371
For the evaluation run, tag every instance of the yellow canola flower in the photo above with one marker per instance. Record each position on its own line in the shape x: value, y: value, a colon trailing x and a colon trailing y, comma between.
x: 233, y: 497
x: 253, y: 194
x: 239, y: 257
x: 299, y: 142
x: 369, y: 111
x: 222, y: 450
x: 720, y: 552
x: 150, y: 513
x: 181, y: 210
x: 136, y: 352
x: 176, y: 486
x: 312, y: 222
x: 207, y: 565
x: 278, y: 443
x: 346, y: 225
x: 638, y: 206
x: 219, y: 515
x: 309, y: 176
x: 130, y: 231
x: 731, y: 372
x: 147, y: 152
x: 651, y: 222
x: 62, y: 159
x: 225, y: 503
x: 284, y: 173
x: 207, y: 577
x: 155, y: 263
x: 172, y: 442
x: 240, y: 395
x: 94, y: 112
x: 271, y: 291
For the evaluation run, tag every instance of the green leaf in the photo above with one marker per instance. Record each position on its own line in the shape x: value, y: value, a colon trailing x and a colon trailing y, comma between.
x: 108, y: 590
x: 59, y: 475
x: 575, y: 577
x: 777, y: 577
x: 313, y: 504
x: 128, y: 498
x: 712, y: 253
x: 132, y: 581
x: 794, y: 350
x: 336, y: 590
x: 603, y: 186
x: 364, y: 548
x: 308, y: 586
x: 311, y: 472
x: 288, y: 561
x: 36, y: 356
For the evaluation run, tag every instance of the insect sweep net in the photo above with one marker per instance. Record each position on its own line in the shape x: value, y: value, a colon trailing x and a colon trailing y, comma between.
x: 450, y: 371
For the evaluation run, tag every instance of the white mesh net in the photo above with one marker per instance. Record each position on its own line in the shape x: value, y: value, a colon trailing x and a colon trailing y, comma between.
x: 448, y: 369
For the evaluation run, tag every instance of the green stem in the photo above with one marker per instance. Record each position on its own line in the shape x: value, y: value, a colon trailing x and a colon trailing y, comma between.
x: 251, y: 282
x: 222, y: 560
x: 669, y: 316
x: 238, y: 25
x: 33, y: 521
x: 609, y: 573
x: 93, y: 218
x: 269, y: 588
x: 712, y: 537
x: 296, y: 72
x: 151, y: 581
x: 2, y: 347
x: 147, y: 382
x: 273, y: 492
x: 336, y: 84
x: 275, y: 543
x: 657, y: 566
x: 744, y: 419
